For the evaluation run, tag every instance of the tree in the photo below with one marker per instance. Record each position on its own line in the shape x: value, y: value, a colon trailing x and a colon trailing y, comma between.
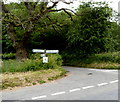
x: 91, y: 30
x: 20, y: 20
x: 52, y: 35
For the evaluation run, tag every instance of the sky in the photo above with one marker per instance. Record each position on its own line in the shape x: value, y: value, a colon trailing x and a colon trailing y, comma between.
x: 75, y: 4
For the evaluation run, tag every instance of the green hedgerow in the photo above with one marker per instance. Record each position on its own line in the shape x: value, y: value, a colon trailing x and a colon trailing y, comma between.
x: 32, y: 64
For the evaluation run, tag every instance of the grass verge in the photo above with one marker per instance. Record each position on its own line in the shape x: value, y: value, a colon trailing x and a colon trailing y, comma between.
x: 21, y: 79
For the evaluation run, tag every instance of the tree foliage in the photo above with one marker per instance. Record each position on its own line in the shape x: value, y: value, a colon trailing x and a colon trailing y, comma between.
x: 91, y: 30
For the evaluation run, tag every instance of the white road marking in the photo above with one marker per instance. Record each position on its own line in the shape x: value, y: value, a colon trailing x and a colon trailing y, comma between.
x: 73, y: 90
x: 77, y: 89
x: 104, y: 70
x: 101, y: 84
x: 111, y: 70
x: 115, y: 81
x: 34, y: 98
x: 58, y: 93
x: 87, y: 87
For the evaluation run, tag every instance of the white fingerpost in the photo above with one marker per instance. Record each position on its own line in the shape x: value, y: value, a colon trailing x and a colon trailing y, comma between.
x: 43, y: 55
x: 52, y: 51
x: 38, y: 50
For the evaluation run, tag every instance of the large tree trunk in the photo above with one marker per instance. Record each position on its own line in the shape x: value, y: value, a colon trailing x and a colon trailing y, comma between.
x: 21, y: 51
x: 20, y: 46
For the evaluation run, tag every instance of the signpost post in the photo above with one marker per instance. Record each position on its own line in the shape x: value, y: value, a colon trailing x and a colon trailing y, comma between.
x: 43, y: 55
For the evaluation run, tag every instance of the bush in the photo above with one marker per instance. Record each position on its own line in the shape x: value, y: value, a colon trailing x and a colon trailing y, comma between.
x: 32, y: 64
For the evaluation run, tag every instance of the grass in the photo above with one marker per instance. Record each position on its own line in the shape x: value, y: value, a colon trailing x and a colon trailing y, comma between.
x: 21, y: 79
x: 109, y: 60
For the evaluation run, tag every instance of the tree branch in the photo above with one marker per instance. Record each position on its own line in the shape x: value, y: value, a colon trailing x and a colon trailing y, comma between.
x: 54, y: 4
x: 65, y: 10
x: 66, y: 2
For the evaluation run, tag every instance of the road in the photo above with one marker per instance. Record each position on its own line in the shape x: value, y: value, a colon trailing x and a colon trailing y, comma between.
x: 80, y: 84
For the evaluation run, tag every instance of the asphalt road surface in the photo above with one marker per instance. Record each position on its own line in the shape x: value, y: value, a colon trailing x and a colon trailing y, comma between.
x: 80, y: 84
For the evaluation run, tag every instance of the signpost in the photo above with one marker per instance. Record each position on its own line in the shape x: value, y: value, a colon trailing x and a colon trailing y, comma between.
x: 43, y: 55
x: 52, y: 51
x: 38, y: 50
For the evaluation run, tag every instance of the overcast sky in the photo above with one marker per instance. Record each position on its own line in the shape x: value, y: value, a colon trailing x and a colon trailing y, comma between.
x: 114, y: 4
